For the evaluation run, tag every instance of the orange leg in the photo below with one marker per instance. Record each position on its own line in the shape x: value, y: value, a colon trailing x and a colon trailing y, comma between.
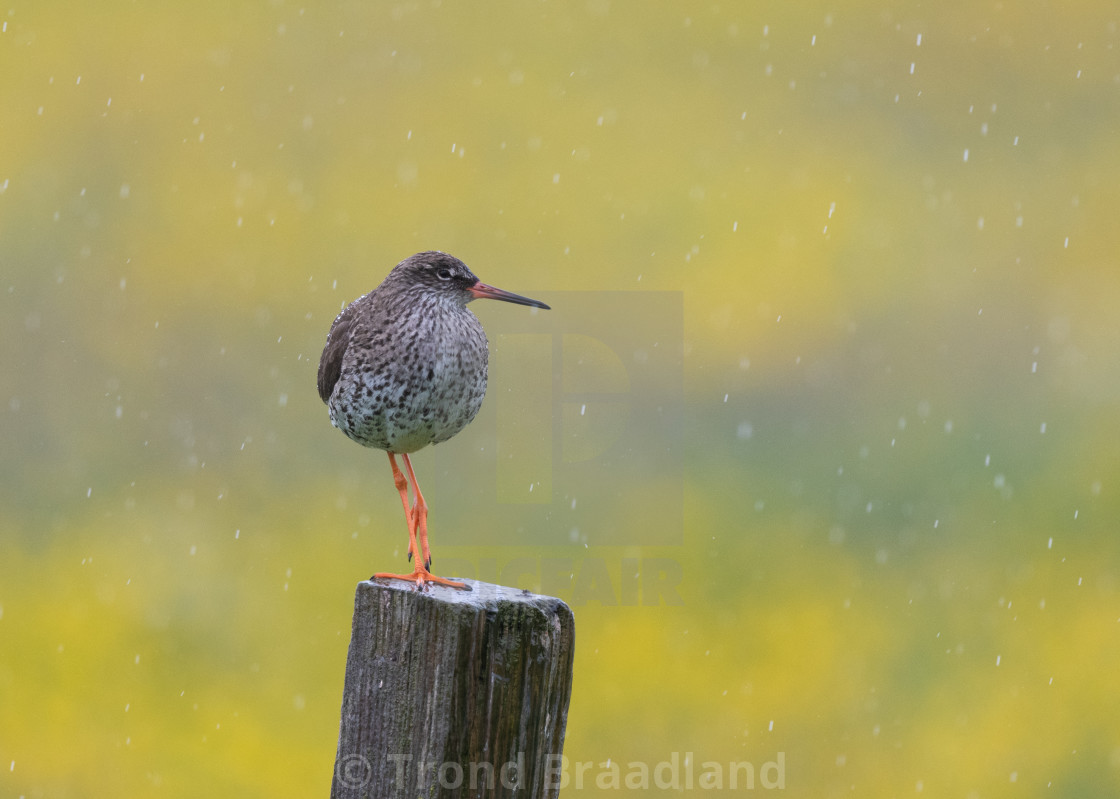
x: 417, y: 517
x: 402, y: 487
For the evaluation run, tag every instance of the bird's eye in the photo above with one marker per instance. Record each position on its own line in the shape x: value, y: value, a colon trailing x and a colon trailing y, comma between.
x: 444, y: 274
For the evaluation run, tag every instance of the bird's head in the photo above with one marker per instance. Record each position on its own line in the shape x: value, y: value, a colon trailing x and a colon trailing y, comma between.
x: 446, y: 277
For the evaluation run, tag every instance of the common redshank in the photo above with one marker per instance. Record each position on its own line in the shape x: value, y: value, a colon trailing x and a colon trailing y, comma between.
x: 404, y: 367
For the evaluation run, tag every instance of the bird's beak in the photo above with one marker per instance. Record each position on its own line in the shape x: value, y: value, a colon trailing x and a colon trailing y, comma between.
x: 482, y: 291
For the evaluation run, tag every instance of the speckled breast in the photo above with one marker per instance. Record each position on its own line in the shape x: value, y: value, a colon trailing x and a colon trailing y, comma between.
x: 421, y: 389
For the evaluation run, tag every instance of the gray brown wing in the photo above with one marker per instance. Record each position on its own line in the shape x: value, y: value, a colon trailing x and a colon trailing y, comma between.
x: 330, y: 363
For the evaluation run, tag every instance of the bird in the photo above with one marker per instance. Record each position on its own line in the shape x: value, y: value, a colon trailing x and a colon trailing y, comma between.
x: 405, y: 366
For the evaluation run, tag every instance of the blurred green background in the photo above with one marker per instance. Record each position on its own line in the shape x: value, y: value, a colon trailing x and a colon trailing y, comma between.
x: 891, y: 226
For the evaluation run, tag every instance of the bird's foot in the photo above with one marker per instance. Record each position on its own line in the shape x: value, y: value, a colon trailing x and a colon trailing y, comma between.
x: 422, y: 578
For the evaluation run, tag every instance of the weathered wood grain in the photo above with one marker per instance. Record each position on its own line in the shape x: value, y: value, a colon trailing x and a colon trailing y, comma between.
x: 454, y: 693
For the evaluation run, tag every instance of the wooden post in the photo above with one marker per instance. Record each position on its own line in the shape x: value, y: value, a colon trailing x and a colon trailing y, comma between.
x: 453, y: 693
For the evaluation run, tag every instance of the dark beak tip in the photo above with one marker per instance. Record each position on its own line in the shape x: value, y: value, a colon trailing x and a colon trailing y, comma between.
x: 483, y: 291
